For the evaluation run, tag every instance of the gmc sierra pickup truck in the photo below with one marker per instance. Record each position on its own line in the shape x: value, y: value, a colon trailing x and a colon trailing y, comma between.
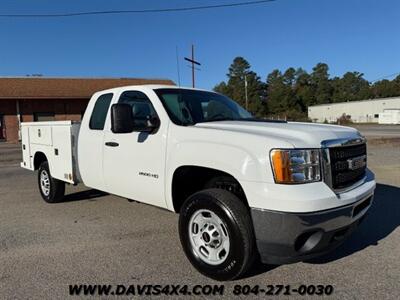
x: 245, y: 188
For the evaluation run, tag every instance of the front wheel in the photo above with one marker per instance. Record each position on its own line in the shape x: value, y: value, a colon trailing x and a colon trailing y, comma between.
x: 52, y: 190
x: 216, y: 234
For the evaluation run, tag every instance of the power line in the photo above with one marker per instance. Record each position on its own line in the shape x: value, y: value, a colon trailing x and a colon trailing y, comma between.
x: 109, y: 12
x: 387, y: 76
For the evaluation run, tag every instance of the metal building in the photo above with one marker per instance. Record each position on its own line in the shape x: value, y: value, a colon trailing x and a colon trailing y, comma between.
x: 364, y: 111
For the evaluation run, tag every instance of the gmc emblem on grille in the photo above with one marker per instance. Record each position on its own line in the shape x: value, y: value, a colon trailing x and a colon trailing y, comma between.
x: 357, y: 162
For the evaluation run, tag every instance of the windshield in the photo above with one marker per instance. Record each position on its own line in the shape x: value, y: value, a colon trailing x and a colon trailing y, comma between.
x: 188, y: 107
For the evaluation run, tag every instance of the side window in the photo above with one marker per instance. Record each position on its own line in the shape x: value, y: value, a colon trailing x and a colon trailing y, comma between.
x: 178, y: 108
x: 141, y: 106
x: 99, y: 114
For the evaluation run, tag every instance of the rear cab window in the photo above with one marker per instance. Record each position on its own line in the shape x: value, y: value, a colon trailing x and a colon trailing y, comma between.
x: 100, y: 110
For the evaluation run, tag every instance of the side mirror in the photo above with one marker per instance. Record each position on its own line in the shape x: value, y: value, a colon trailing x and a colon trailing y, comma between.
x: 122, y: 118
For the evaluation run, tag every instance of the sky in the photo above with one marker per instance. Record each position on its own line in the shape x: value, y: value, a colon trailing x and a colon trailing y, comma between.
x: 348, y: 35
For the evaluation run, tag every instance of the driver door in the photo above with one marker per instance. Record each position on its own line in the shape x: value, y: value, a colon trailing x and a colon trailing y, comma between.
x: 134, y: 162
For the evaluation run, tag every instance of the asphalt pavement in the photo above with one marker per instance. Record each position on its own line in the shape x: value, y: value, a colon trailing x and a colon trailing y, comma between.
x: 379, y: 131
x: 96, y: 238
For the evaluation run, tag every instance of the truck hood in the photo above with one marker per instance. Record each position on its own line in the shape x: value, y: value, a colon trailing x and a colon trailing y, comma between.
x: 300, y: 135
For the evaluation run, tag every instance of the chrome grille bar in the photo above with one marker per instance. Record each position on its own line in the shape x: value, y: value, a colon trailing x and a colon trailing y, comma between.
x: 326, y: 160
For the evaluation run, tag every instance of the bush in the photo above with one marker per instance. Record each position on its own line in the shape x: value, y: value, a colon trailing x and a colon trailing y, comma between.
x: 344, y: 120
x: 292, y: 115
x: 297, y: 116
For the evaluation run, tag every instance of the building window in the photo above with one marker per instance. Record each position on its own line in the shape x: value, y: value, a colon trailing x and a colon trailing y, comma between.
x: 99, y: 114
x: 43, y: 116
x: 376, y: 115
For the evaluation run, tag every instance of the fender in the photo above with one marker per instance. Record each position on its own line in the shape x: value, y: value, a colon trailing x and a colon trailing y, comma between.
x: 38, y: 158
x: 231, y: 159
x: 47, y: 155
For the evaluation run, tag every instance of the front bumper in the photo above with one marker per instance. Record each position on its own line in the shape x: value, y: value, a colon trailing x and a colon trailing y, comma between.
x: 284, y: 237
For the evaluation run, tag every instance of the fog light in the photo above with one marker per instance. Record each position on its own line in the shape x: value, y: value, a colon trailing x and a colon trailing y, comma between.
x: 308, y: 241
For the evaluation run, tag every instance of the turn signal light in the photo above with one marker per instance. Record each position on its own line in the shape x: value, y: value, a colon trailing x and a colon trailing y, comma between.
x: 296, y: 165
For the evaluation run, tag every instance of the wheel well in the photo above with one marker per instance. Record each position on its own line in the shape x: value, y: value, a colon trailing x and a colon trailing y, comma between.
x: 188, y: 180
x: 38, y: 159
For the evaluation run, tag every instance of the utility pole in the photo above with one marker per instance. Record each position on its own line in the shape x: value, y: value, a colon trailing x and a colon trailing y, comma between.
x: 177, y: 67
x: 193, y: 62
x: 245, y: 92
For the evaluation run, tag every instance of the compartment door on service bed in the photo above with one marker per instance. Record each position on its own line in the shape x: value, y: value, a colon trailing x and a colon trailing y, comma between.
x: 133, y: 165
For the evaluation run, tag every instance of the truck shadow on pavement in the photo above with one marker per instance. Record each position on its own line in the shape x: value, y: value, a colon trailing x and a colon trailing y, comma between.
x: 90, y: 195
x: 382, y: 219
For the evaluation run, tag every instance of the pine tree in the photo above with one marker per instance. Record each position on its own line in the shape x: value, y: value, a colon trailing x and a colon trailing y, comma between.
x: 289, y: 94
x: 235, y: 87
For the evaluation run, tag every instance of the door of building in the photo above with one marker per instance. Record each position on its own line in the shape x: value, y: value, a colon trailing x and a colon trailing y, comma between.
x: 2, y: 128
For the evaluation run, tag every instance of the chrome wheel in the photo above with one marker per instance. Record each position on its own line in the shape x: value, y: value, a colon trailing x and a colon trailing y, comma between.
x: 45, y: 182
x: 209, y: 237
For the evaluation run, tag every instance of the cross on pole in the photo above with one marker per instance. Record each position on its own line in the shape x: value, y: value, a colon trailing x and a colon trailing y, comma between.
x: 193, y: 62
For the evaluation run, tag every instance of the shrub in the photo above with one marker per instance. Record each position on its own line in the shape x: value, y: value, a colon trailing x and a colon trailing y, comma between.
x: 344, y: 119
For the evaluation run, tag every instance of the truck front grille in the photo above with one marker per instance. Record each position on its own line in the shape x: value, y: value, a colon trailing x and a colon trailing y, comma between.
x: 348, y: 165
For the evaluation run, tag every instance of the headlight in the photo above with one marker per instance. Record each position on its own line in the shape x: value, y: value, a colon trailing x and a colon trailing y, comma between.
x: 296, y: 165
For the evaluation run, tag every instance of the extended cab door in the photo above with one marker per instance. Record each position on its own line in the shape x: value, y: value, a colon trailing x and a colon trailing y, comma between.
x: 134, y: 162
x: 91, y: 141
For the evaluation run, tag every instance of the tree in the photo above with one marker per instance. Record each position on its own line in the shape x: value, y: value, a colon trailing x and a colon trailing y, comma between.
x: 222, y: 88
x: 235, y: 87
x: 292, y: 101
x: 286, y: 93
x: 275, y: 92
x: 303, y: 89
x: 321, y: 84
x: 352, y: 86
x: 290, y: 93
x: 386, y: 88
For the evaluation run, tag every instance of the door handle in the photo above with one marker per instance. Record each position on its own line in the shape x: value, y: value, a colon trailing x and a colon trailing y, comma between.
x: 112, y: 144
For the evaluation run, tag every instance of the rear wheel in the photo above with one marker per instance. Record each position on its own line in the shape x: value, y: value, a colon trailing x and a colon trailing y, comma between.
x: 216, y: 234
x: 52, y: 190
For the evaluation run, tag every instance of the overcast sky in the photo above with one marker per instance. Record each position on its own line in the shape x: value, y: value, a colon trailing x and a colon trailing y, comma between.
x: 348, y: 35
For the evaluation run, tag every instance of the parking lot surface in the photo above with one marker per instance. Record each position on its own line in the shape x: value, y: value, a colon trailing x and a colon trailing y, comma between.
x: 378, y: 131
x: 95, y: 238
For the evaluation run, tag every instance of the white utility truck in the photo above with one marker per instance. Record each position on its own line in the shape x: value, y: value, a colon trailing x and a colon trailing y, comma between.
x: 245, y: 188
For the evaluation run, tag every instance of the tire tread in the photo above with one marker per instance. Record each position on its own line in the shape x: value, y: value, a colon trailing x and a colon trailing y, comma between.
x: 240, y: 215
x: 57, y: 187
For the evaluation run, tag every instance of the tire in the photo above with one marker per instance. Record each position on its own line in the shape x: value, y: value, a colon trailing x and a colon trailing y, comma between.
x: 52, y: 190
x: 221, y: 210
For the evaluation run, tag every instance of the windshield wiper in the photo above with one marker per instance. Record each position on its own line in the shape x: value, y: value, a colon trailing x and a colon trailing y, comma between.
x: 229, y: 119
x: 218, y: 119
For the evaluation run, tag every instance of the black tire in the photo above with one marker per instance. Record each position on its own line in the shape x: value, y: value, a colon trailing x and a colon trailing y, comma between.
x: 237, y: 221
x: 56, y: 187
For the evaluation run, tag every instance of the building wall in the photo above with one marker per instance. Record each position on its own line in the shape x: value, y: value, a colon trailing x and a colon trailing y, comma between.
x: 366, y: 111
x: 10, y: 121
x: 63, y: 109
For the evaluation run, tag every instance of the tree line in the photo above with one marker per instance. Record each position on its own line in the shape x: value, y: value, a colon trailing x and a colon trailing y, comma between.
x: 288, y: 94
